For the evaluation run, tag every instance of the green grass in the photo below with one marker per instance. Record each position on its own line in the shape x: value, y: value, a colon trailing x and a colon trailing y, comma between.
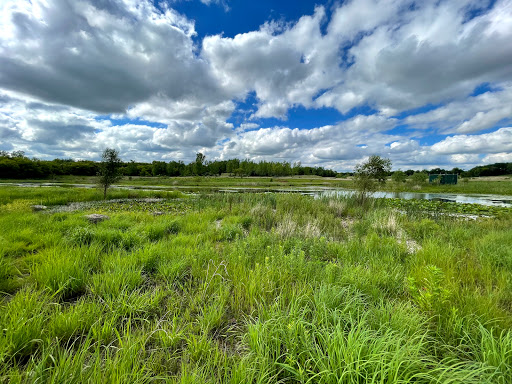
x: 251, y: 288
x: 12, y: 199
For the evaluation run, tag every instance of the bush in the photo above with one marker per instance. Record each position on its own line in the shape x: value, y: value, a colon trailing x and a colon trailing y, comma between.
x: 398, y: 177
x: 419, y: 178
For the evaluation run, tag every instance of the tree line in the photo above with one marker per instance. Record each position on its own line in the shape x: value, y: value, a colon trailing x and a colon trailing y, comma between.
x: 16, y: 165
x: 496, y: 169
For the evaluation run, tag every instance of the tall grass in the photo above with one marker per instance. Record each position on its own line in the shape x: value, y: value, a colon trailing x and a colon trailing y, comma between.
x: 255, y: 288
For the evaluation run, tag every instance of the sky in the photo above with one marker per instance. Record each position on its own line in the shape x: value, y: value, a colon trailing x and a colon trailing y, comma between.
x: 328, y: 83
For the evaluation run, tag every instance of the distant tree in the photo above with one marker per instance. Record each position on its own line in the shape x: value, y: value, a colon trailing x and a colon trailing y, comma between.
x: 131, y: 169
x: 457, y: 171
x: 145, y: 170
x: 296, y: 168
x: 199, y: 165
x: 175, y: 168
x: 110, y: 169
x: 158, y: 168
x: 368, y: 173
x: 376, y: 168
x: 17, y: 154
x: 9, y: 169
x: 438, y: 171
x: 232, y: 164
x: 419, y: 178
x: 217, y: 167
x: 240, y: 172
x: 399, y: 176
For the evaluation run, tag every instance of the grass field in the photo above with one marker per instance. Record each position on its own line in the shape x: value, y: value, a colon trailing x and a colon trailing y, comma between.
x: 250, y: 288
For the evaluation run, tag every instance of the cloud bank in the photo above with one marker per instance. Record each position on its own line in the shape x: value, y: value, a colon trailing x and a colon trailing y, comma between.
x: 425, y: 83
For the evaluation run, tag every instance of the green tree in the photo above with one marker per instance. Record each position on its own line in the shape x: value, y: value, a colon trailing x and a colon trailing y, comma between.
x: 17, y: 154
x: 368, y: 173
x: 419, y: 178
x: 110, y: 169
x: 376, y: 167
x: 199, y: 165
x: 158, y: 168
x: 175, y: 168
x: 399, y: 176
x: 240, y: 172
x: 131, y: 169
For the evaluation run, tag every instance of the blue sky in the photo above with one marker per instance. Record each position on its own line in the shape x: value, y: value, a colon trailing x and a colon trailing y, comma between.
x: 424, y: 83
x: 230, y: 18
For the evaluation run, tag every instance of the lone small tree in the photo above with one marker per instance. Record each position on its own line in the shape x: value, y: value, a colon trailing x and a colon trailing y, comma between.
x: 199, y: 165
x: 368, y: 173
x: 110, y: 169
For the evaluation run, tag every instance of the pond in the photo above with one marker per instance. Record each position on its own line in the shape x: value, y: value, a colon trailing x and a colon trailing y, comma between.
x: 317, y: 192
x: 488, y: 200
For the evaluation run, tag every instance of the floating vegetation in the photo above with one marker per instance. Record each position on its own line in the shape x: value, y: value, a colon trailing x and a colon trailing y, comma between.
x: 433, y: 207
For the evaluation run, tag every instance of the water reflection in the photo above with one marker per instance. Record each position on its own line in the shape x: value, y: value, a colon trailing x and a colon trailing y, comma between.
x: 488, y: 200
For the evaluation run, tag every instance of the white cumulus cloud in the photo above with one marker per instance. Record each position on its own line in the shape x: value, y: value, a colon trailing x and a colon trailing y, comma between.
x: 76, y: 76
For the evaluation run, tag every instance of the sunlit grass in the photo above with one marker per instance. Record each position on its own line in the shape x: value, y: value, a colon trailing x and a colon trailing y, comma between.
x: 255, y: 288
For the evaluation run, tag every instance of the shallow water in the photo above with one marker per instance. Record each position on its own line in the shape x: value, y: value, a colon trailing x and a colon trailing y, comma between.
x: 487, y: 200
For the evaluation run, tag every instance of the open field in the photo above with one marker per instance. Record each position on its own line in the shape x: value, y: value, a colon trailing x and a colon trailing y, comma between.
x: 251, y: 288
x: 500, y: 185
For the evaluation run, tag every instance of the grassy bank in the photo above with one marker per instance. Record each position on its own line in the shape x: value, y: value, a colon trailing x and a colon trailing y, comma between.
x: 252, y: 288
x: 49, y: 196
